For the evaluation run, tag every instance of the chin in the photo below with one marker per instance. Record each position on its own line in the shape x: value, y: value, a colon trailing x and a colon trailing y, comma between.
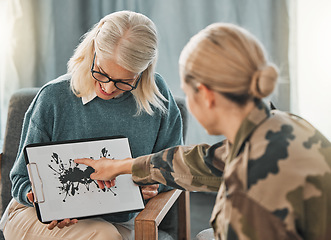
x: 213, y: 132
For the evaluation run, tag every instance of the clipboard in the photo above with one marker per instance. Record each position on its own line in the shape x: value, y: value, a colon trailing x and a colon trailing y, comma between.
x: 63, y: 189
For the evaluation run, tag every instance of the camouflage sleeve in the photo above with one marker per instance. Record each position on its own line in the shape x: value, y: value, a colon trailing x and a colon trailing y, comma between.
x: 192, y: 168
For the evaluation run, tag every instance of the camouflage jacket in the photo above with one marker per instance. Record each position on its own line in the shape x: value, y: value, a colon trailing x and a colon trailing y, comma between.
x: 273, y: 182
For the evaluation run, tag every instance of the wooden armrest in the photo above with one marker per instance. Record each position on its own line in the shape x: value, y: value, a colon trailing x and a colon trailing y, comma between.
x: 148, y: 220
x: 184, y: 216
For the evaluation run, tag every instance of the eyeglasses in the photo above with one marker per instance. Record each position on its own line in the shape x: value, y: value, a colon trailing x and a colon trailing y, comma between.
x: 121, y: 84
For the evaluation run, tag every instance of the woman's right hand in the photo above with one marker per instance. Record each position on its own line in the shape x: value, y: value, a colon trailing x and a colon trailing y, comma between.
x: 30, y: 197
x: 64, y: 223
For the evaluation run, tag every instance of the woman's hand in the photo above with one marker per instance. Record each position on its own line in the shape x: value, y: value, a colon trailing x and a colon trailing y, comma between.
x: 149, y: 191
x: 108, y: 184
x: 64, y: 223
x: 30, y: 197
x: 107, y: 169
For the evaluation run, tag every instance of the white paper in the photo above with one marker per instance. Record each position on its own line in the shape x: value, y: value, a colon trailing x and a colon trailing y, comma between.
x: 68, y: 192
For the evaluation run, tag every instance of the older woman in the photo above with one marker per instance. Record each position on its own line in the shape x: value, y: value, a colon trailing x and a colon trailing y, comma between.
x: 272, y: 173
x: 111, y: 89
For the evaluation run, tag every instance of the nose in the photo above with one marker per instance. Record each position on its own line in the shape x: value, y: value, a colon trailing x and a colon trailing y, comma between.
x: 108, y: 87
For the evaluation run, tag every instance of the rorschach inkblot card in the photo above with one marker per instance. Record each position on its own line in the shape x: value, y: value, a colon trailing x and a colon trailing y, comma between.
x: 64, y: 189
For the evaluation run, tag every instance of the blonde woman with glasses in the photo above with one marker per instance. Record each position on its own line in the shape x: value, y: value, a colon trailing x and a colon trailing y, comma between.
x: 111, y: 89
x: 272, y: 173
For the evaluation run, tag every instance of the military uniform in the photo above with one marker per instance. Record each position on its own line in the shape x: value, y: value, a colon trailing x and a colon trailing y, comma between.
x: 273, y: 182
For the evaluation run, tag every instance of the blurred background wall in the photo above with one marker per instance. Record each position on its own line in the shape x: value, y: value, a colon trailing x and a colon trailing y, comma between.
x: 38, y: 38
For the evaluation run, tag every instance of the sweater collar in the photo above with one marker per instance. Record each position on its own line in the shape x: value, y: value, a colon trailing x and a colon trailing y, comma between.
x: 88, y: 98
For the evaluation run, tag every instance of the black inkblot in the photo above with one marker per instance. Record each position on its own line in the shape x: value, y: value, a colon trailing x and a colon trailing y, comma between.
x: 72, y: 177
x: 104, y: 152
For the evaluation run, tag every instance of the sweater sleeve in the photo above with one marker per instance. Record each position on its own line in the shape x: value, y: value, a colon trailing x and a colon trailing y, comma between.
x: 171, y: 128
x: 192, y: 168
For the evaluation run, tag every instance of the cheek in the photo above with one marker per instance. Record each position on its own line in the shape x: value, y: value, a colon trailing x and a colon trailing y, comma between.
x: 193, y: 106
x: 189, y: 104
x: 96, y: 84
x: 198, y: 111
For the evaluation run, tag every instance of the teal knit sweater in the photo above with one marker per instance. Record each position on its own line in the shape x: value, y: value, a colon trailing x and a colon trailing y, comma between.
x: 56, y: 114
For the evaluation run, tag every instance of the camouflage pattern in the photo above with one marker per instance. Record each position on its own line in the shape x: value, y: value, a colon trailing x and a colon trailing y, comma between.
x: 274, y: 182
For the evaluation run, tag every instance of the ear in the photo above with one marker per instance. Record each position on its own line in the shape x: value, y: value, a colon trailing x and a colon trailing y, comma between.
x: 207, y: 95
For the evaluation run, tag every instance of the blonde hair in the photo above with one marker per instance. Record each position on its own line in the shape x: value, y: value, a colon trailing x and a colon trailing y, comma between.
x: 129, y: 39
x: 229, y: 60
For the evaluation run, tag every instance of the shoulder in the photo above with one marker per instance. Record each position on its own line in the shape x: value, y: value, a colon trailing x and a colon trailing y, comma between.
x: 58, y: 85
x: 285, y: 126
x: 290, y: 126
x: 166, y: 92
x: 287, y: 149
x: 57, y: 88
x: 161, y: 84
x: 286, y: 139
x: 53, y: 92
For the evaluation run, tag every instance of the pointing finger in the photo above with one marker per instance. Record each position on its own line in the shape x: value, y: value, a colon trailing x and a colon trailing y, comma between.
x: 86, y: 161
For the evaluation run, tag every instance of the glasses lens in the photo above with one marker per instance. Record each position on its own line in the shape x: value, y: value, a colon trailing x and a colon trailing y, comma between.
x: 123, y: 86
x: 100, y: 77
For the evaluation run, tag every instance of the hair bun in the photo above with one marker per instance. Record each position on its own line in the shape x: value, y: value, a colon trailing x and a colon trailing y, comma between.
x: 264, y: 81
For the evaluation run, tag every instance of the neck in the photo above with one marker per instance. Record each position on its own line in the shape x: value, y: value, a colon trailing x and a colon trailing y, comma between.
x: 233, y: 119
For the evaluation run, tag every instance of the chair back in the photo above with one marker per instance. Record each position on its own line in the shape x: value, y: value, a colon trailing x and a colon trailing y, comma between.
x: 184, y: 113
x: 18, y: 104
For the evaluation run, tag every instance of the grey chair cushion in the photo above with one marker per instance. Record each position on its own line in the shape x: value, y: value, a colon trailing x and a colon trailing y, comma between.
x: 184, y: 113
x: 18, y: 105
x: 207, y: 234
x: 164, y: 236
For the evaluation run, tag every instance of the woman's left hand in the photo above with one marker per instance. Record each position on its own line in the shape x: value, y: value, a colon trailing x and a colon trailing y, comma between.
x: 64, y: 223
x: 149, y: 191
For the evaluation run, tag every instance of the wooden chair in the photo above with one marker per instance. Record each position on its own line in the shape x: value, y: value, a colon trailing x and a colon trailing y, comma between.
x: 147, y: 221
